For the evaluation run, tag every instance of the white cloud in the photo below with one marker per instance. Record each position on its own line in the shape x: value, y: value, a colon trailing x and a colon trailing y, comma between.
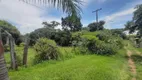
x: 87, y: 2
x: 27, y: 17
x: 117, y: 16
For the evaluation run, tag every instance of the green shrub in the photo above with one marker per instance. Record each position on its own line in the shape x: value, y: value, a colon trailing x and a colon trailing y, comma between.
x: 46, y: 49
x: 6, y: 48
x: 100, y: 47
x: 101, y: 42
x: 22, y: 44
x: 19, y: 60
x: 63, y: 38
x: 108, y: 37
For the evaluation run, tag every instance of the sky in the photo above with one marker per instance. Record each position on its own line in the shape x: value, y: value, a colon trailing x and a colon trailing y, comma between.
x: 27, y: 17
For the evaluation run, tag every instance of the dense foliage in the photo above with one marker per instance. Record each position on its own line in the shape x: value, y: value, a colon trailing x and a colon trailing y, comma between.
x: 45, y: 32
x: 138, y: 19
x: 46, y: 49
x: 52, y: 24
x: 130, y: 25
x: 72, y: 23
x: 63, y: 38
x: 119, y: 32
x: 12, y: 30
x: 136, y: 25
x: 102, y: 42
x: 96, y: 26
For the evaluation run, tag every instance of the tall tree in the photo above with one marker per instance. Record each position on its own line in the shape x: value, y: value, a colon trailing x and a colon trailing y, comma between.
x: 52, y: 24
x: 138, y: 19
x: 12, y: 30
x: 130, y: 26
x: 72, y: 23
x: 96, y: 26
x: 68, y: 6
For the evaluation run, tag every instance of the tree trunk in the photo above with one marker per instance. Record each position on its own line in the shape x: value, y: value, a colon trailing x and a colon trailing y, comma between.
x: 25, y: 54
x: 3, y: 69
x: 13, y: 54
x: 7, y: 41
x: 14, y: 64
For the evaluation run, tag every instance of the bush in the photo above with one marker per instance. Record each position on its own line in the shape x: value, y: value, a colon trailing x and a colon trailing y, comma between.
x: 19, y: 60
x: 46, y: 49
x: 63, y: 38
x: 108, y: 37
x: 119, y: 32
x: 100, y: 47
x: 22, y: 44
x: 6, y: 48
x: 102, y: 43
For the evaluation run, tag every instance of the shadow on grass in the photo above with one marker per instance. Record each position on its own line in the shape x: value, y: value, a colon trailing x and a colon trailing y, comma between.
x: 137, y: 59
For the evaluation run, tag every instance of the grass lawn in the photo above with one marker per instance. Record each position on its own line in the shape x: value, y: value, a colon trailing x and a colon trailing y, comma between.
x: 81, y: 67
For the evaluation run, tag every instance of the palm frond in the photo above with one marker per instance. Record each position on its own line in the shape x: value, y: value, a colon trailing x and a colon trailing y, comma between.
x: 68, y: 6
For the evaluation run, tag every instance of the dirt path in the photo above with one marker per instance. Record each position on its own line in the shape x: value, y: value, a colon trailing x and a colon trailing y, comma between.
x: 131, y: 64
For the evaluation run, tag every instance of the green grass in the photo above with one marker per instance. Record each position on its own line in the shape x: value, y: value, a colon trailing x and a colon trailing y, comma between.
x: 140, y: 50
x: 87, y: 67
x: 137, y: 59
x: 67, y: 52
x: 19, y: 52
x: 138, y: 62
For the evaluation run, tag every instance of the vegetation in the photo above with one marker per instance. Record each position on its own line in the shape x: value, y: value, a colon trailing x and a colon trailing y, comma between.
x: 137, y: 18
x: 96, y: 26
x: 135, y: 25
x: 73, y: 53
x: 68, y: 6
x: 12, y: 30
x: 137, y: 57
x: 46, y: 50
x: 52, y: 24
x: 72, y: 23
x: 45, y: 32
x: 101, y: 42
x: 85, y: 67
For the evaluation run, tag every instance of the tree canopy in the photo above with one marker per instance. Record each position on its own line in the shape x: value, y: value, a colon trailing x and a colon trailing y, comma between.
x: 73, y: 23
x: 52, y: 24
x: 138, y: 19
x: 11, y: 29
x: 130, y: 26
x: 96, y: 26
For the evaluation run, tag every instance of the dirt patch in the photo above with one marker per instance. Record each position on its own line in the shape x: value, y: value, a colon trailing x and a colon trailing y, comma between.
x: 131, y: 64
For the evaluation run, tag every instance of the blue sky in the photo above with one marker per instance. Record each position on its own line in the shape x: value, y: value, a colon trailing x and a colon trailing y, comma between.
x: 120, y: 10
x: 28, y: 18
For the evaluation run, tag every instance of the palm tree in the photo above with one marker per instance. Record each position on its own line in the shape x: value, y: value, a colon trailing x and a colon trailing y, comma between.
x: 68, y: 6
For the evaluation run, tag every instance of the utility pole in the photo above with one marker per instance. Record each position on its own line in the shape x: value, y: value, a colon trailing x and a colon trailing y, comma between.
x: 96, y: 11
